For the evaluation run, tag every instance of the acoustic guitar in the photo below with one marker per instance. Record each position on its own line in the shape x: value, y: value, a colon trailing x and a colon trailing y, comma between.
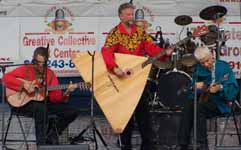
x: 21, y: 98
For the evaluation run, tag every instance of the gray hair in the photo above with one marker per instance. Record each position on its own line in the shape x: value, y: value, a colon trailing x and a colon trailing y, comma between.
x: 202, y: 52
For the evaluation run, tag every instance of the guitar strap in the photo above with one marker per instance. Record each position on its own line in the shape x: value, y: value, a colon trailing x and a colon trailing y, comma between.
x: 27, y: 73
x: 51, y: 76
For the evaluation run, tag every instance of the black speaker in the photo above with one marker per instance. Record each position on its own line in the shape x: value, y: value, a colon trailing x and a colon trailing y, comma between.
x: 164, y: 128
x: 64, y: 147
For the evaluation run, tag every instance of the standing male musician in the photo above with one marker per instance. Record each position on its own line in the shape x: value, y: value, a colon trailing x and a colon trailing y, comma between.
x: 30, y: 78
x: 216, y: 89
x: 127, y: 38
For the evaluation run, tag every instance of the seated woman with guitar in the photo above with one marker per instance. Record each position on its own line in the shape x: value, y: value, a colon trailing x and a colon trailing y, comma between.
x: 216, y: 89
x: 26, y: 94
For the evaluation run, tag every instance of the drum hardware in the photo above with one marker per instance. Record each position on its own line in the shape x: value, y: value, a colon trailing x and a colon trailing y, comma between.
x: 157, y: 104
x: 175, y: 57
x: 166, y: 95
x: 159, y: 40
x: 151, y: 87
x: 162, y: 65
x: 169, y: 84
x: 216, y: 35
x: 196, y: 33
x: 188, y: 60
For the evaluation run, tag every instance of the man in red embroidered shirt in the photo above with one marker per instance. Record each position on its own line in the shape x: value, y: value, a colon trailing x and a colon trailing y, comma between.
x: 127, y: 38
x: 31, y: 77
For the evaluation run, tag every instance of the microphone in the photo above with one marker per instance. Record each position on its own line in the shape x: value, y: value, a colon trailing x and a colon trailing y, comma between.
x: 167, y: 43
x: 139, y: 15
x: 139, y: 18
x: 189, y: 33
x: 47, y: 55
x: 158, y: 37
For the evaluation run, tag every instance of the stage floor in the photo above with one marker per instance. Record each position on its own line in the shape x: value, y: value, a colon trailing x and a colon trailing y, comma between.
x: 110, y: 138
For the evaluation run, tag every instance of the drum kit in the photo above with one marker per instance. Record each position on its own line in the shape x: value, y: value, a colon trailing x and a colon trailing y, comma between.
x: 170, y: 76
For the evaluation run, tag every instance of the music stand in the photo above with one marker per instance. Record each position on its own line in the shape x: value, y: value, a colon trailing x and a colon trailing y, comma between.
x: 44, y: 83
x: 92, y: 125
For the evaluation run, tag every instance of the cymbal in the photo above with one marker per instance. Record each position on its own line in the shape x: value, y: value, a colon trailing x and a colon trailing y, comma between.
x: 162, y: 65
x: 213, y: 12
x: 188, y: 60
x: 183, y: 20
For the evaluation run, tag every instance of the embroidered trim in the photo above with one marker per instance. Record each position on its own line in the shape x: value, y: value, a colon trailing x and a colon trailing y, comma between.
x: 128, y: 42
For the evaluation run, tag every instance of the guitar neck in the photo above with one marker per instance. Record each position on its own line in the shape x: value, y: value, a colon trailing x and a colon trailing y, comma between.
x: 59, y: 87
x: 152, y: 59
x: 81, y: 85
x: 183, y: 41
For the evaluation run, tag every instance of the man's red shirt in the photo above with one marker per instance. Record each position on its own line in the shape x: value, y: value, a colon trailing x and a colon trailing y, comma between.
x: 137, y: 43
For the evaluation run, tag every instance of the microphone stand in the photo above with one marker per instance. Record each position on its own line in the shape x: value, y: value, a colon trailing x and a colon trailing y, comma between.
x: 45, y: 81
x: 240, y: 86
x: 218, y: 42
x: 4, y: 107
x: 92, y: 125
x: 195, y: 117
x: 158, y: 37
x: 3, y: 68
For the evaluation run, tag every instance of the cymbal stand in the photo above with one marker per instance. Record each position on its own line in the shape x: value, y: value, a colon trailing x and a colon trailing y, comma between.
x: 154, y: 97
x: 92, y: 125
x: 221, y: 38
x: 174, y: 59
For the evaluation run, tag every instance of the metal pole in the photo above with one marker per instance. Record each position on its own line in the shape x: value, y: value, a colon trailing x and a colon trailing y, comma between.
x: 195, y: 118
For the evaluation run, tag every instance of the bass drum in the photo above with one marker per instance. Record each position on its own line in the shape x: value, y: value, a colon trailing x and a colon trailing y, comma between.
x: 169, y: 90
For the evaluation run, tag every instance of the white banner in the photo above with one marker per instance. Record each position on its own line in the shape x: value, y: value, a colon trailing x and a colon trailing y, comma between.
x: 79, y: 35
x: 67, y: 35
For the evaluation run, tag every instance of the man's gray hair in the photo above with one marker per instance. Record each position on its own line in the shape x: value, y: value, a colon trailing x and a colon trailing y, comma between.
x: 202, y: 52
